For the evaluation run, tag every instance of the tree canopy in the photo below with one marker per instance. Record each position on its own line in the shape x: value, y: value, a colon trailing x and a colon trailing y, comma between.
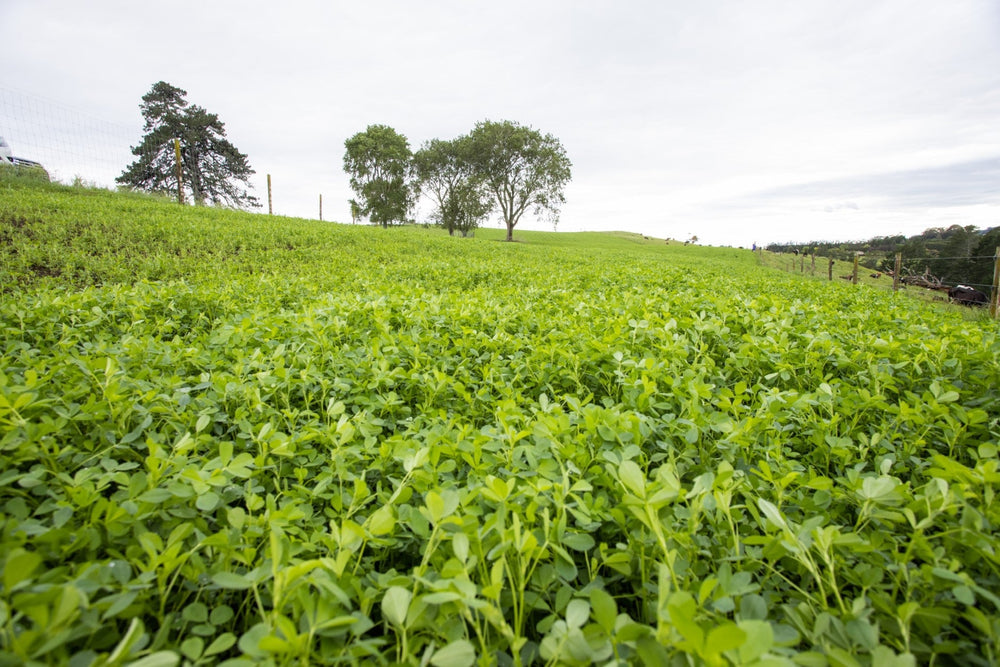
x: 445, y: 172
x: 504, y: 165
x: 214, y: 171
x: 378, y: 162
x: 521, y: 168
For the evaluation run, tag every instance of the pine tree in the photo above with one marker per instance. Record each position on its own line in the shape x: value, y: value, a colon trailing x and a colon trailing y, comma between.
x: 213, y: 168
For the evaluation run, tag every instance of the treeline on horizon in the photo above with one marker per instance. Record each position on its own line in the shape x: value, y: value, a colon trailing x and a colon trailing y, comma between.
x: 955, y: 255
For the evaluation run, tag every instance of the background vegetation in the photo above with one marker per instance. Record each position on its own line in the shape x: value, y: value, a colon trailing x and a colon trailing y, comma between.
x: 956, y: 255
x: 259, y: 440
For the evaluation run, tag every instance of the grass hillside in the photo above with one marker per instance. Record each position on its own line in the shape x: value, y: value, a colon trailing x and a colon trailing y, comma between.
x: 242, y: 439
x: 59, y: 235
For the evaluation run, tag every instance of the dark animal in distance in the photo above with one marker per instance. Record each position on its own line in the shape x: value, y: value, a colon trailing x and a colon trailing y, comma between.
x: 967, y: 296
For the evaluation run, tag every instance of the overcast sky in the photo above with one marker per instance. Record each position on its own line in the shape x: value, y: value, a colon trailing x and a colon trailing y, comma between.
x: 735, y: 121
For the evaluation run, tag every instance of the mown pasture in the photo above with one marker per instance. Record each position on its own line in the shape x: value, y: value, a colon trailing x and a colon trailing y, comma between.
x: 257, y: 440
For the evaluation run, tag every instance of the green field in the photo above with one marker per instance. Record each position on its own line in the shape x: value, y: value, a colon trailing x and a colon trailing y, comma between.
x: 247, y: 439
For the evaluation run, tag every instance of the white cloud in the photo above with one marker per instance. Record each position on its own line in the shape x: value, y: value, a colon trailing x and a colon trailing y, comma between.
x: 668, y: 110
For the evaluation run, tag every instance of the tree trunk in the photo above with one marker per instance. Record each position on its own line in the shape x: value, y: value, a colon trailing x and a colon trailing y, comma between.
x: 510, y: 232
x: 195, y: 175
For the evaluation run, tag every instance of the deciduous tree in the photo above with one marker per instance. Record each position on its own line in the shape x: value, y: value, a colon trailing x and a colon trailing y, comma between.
x: 214, y: 170
x: 521, y: 167
x: 445, y: 172
x: 378, y: 162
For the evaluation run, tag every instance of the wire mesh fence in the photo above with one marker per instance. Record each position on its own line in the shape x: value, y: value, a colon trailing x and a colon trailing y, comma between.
x: 75, y: 146
x: 70, y: 143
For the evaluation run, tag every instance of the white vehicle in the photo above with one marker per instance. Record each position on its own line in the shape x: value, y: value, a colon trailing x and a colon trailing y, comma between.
x: 7, y: 157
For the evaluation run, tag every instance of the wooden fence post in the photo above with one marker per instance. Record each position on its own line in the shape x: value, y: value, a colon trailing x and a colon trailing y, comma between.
x: 269, y: 209
x: 812, y: 271
x: 895, y: 272
x: 180, y: 171
x: 854, y: 276
x: 995, y: 296
x: 802, y: 264
x: 830, y: 270
x: 321, y: 207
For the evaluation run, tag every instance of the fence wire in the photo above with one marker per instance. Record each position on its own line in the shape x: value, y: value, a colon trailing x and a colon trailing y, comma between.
x: 68, y: 142
x: 799, y: 266
x: 987, y: 287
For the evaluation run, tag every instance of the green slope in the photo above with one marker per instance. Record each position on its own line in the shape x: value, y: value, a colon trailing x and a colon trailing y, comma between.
x: 242, y: 438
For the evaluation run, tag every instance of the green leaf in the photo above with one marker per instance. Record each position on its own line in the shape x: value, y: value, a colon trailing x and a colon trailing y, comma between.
x: 236, y: 516
x: 221, y: 643
x: 706, y: 588
x: 155, y: 496
x: 441, y: 597
x: 395, y: 604
x: 381, y: 521
x: 441, y: 505
x: 753, y: 607
x: 61, y: 516
x: 207, y: 501
x: 158, y: 659
x: 879, y: 488
x: 772, y: 513
x: 651, y: 652
x: 577, y: 613
x: 460, y: 545
x: 19, y: 567
x: 725, y: 637
x: 135, y: 632
x: 249, y: 643
x: 632, y: 477
x: 122, y: 601
x: 221, y: 615
x: 203, y: 421
x: 883, y: 656
x: 578, y: 541
x: 459, y: 653
x: 605, y: 609
x: 193, y: 647
x: 196, y: 612
x: 683, y: 609
x: 759, y: 640
x: 964, y: 595
x: 499, y: 488
x: 225, y: 452
x: 416, y: 460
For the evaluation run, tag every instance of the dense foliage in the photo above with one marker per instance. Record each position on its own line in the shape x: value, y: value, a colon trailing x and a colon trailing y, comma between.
x: 258, y: 440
